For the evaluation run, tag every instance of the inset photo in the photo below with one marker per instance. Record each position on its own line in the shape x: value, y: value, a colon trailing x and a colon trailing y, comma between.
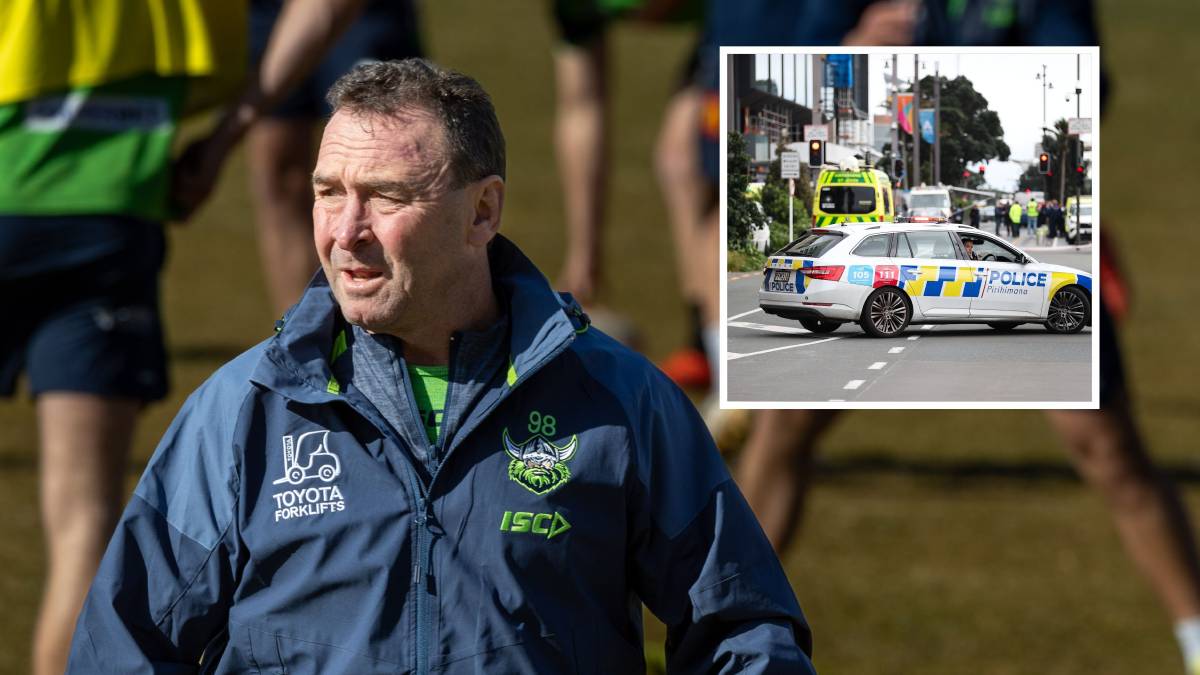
x: 910, y: 228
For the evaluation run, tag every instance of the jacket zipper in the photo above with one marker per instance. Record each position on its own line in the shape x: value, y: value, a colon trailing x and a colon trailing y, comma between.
x: 424, y: 547
x: 420, y: 543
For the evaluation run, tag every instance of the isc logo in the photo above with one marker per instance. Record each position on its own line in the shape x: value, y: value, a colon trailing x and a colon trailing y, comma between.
x: 549, y: 525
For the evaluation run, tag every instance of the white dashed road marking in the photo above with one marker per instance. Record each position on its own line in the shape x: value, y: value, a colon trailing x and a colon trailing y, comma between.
x: 914, y: 337
x: 895, y: 350
x: 854, y: 384
x: 878, y: 365
x: 738, y: 316
x: 733, y: 357
x: 787, y: 330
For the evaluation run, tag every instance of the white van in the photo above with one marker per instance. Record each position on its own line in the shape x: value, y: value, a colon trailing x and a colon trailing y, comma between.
x: 929, y: 201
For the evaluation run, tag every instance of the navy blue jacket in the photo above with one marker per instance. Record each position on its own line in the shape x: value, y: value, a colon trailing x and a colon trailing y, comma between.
x: 280, y: 526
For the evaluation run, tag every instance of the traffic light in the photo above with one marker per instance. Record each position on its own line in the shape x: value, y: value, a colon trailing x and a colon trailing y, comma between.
x: 897, y: 167
x: 816, y: 154
x: 982, y: 169
x: 966, y: 174
x: 1044, y: 163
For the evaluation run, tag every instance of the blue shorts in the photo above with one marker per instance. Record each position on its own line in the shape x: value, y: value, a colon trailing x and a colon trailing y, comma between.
x: 80, y: 298
x: 1112, y: 370
x: 386, y: 30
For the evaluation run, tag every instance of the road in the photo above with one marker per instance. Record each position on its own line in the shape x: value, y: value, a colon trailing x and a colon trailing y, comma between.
x: 770, y: 359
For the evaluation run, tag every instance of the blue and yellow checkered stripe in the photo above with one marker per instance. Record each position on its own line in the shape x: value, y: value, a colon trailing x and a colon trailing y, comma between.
x: 786, y: 263
x: 931, y: 281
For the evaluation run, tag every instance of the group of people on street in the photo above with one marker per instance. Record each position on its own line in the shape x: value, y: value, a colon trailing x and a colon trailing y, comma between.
x: 382, y: 553
x: 1029, y: 219
x: 1052, y: 217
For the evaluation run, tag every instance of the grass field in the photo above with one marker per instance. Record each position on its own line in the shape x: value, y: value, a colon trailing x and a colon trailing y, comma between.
x: 937, y: 542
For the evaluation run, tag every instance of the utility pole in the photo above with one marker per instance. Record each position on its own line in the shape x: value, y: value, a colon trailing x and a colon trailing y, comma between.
x: 896, y: 154
x: 1079, y: 185
x: 1064, y: 143
x: 916, y: 127
x: 818, y: 115
x: 1045, y: 85
x: 937, y: 126
x: 1078, y: 89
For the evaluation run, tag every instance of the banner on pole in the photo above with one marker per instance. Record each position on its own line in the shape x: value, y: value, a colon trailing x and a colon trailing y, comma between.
x: 906, y: 105
x: 927, y: 125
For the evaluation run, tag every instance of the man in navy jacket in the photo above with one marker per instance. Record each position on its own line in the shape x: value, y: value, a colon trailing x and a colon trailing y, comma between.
x: 435, y: 464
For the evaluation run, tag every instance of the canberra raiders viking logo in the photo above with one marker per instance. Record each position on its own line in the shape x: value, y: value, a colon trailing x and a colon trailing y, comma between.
x: 537, y: 464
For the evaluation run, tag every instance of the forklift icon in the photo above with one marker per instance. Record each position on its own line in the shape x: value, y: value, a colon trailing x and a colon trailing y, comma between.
x: 313, y: 449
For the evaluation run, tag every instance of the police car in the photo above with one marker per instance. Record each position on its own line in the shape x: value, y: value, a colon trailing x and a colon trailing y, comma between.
x: 885, y: 276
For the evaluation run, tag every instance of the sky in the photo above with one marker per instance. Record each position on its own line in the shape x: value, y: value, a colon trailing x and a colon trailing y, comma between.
x: 1011, y: 86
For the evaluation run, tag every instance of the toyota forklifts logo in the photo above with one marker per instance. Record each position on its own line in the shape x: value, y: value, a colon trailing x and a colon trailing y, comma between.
x: 305, y: 458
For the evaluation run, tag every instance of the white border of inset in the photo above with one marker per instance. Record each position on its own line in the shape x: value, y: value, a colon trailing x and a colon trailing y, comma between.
x: 1093, y: 404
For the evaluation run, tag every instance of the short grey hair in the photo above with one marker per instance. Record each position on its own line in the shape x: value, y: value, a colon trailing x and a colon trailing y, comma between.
x: 476, y: 143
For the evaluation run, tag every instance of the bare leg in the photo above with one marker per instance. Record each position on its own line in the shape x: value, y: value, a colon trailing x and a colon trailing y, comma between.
x: 85, y: 445
x: 581, y: 142
x: 684, y: 188
x: 775, y: 468
x: 280, y: 157
x: 708, y: 281
x: 1150, y: 518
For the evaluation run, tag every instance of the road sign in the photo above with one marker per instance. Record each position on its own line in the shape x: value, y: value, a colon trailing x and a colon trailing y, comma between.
x: 1079, y: 125
x: 789, y: 165
x: 816, y: 132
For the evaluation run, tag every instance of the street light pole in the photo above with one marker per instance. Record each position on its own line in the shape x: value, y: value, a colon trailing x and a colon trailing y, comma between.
x: 1045, y: 85
x: 937, y: 126
x: 1043, y: 94
x: 916, y: 127
x: 896, y: 154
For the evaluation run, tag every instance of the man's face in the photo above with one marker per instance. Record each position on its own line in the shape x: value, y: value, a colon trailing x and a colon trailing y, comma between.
x: 390, y: 227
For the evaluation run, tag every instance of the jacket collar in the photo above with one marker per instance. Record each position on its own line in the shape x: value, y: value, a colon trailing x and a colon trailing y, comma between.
x: 297, y: 362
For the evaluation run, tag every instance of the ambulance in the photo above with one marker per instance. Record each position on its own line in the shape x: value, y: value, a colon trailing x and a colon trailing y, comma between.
x: 850, y: 194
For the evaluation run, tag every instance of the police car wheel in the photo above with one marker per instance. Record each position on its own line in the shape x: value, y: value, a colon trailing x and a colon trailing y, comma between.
x: 886, y: 312
x: 820, y: 326
x: 1004, y: 326
x: 1069, y: 310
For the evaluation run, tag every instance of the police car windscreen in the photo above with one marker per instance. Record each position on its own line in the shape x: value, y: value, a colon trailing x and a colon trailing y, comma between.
x: 813, y: 244
x: 848, y: 199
